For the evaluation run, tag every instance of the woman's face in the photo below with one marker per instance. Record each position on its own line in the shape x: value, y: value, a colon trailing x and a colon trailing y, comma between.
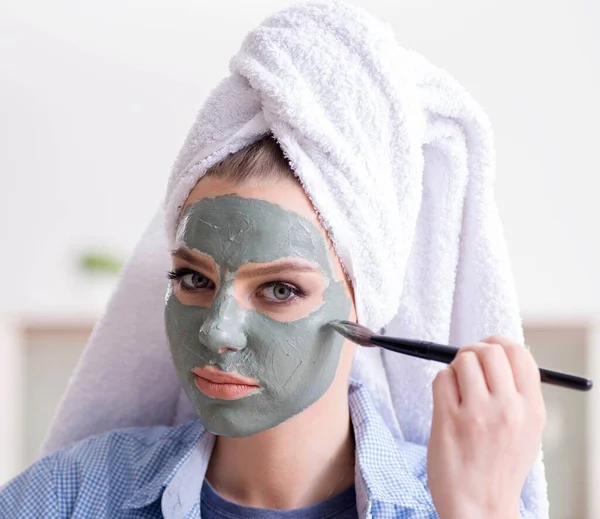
x: 254, y: 284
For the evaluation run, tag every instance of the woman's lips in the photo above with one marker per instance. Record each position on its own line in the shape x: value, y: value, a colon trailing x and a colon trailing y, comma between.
x: 215, y: 383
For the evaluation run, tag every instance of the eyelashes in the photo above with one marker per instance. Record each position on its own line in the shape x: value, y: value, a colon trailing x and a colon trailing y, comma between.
x: 275, y: 293
x: 189, y: 279
x: 278, y: 290
x: 178, y: 273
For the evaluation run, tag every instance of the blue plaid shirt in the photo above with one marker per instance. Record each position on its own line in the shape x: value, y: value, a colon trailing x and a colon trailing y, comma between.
x: 156, y: 472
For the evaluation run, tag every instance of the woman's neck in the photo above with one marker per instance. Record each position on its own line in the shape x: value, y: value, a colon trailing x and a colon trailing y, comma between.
x: 299, y: 463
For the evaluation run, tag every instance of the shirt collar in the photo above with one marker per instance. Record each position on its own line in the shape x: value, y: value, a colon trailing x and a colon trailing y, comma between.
x: 190, y: 446
x: 389, y: 473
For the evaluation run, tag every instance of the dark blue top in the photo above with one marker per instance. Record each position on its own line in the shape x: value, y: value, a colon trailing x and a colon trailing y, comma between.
x: 341, y: 506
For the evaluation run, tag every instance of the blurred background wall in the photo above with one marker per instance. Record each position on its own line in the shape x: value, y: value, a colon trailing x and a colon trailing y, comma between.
x: 96, y: 98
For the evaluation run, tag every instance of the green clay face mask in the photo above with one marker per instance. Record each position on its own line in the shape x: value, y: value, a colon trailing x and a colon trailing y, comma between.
x: 294, y: 362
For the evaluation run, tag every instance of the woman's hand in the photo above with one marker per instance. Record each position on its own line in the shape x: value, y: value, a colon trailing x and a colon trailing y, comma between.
x: 488, y: 417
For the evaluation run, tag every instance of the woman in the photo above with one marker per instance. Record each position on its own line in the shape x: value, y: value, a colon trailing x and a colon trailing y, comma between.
x: 331, y: 176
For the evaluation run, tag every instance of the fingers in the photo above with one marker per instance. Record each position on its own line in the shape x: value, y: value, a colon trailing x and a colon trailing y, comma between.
x: 496, y: 367
x: 525, y: 372
x: 469, y: 376
x: 445, y: 391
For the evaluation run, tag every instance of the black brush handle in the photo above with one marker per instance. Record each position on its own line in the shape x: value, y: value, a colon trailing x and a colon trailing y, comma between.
x: 556, y: 378
x: 440, y: 353
x: 416, y: 348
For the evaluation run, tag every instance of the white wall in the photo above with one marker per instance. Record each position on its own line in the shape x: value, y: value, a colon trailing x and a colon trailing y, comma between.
x: 96, y: 98
x: 12, y: 412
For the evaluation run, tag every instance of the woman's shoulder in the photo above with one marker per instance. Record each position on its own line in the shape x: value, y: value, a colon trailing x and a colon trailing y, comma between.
x: 99, y: 472
x: 127, y: 446
x: 133, y: 438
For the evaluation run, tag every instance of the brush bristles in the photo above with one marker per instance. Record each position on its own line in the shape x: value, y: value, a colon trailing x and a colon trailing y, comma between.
x: 352, y: 331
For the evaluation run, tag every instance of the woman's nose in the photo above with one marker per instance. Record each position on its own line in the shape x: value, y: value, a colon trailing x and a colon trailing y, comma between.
x: 223, y: 331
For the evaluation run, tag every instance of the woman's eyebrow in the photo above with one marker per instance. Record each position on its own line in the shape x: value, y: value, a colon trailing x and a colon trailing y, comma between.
x: 277, y: 268
x: 194, y: 259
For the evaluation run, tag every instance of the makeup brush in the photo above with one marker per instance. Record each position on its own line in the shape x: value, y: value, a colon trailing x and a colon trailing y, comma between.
x: 431, y: 351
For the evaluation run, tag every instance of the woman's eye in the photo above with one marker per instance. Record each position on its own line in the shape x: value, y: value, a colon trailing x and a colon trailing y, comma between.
x: 278, y: 292
x: 196, y: 281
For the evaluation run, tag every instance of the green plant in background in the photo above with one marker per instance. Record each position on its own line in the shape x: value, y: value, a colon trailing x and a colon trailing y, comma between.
x: 98, y: 262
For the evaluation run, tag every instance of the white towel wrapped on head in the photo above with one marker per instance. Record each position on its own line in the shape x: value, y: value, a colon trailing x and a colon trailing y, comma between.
x: 397, y: 159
